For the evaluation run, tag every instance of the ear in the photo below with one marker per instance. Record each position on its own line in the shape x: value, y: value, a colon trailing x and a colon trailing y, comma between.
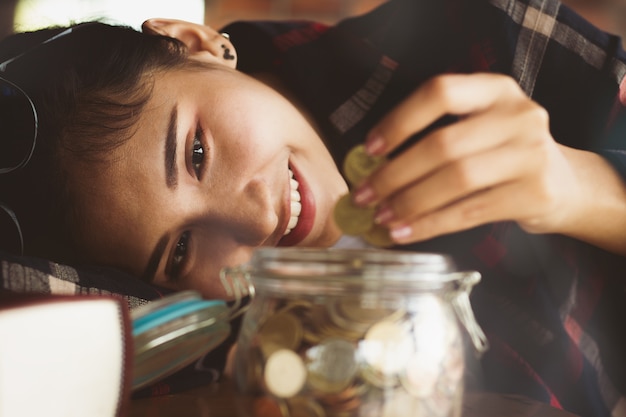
x: 203, y: 42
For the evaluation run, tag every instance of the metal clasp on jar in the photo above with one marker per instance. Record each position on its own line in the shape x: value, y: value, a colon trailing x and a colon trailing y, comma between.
x: 237, y: 283
x: 459, y: 298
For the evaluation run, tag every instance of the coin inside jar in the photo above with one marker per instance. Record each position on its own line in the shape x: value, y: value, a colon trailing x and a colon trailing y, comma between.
x: 400, y: 403
x: 331, y: 365
x: 356, y: 310
x: 387, y: 346
x: 249, y: 371
x: 282, y: 330
x: 284, y: 373
x: 305, y: 407
x: 420, y: 376
x: 347, y: 333
x: 269, y: 407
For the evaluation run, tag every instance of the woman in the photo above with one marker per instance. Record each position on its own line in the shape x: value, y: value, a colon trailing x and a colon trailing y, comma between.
x: 171, y: 162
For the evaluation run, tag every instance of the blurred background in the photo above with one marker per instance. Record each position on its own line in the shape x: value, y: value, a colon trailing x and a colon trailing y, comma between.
x: 18, y: 15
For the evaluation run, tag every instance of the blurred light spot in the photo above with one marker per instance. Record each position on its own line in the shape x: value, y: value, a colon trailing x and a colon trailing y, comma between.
x: 36, y: 14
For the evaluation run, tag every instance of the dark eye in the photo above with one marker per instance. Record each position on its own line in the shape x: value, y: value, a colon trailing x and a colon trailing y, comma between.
x: 180, y: 254
x: 197, y: 152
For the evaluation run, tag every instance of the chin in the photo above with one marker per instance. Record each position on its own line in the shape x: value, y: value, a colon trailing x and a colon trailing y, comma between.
x: 327, y: 237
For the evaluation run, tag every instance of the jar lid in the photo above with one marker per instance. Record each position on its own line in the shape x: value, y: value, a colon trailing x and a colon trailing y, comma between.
x: 173, y: 332
x: 369, y: 267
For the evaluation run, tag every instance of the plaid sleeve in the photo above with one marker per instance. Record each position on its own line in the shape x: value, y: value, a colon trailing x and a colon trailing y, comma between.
x: 351, y: 74
x: 616, y: 133
x: 552, y: 307
x: 571, y: 68
x: 20, y: 274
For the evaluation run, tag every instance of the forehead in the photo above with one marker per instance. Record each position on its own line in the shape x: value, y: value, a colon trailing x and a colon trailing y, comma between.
x: 124, y: 194
x: 115, y: 217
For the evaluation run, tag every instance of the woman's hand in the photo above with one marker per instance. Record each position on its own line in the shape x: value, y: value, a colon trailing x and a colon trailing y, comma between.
x: 497, y: 162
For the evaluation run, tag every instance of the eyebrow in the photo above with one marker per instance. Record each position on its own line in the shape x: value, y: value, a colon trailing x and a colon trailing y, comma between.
x: 155, y: 257
x: 171, y: 180
x: 171, y: 169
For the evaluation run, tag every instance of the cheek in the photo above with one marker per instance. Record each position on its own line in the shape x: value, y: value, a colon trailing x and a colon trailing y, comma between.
x: 209, y: 285
x: 216, y: 252
x: 260, y: 115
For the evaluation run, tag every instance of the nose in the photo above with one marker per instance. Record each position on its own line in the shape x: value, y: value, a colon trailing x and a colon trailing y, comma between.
x: 248, y: 214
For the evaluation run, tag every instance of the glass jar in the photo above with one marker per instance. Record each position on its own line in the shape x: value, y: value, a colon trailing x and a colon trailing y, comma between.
x: 345, y: 332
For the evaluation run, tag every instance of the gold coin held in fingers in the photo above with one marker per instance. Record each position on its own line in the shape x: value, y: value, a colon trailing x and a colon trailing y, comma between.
x: 378, y: 236
x: 358, y: 164
x: 352, y: 219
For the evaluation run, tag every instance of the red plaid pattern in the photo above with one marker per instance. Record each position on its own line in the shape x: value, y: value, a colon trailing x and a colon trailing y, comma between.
x: 552, y: 307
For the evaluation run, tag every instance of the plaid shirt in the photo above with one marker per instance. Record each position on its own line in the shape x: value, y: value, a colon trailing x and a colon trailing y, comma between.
x: 553, y: 308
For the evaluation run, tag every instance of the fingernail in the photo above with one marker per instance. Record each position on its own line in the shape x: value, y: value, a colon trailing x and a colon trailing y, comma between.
x: 383, y: 215
x: 364, y: 195
x: 374, y: 144
x: 400, y: 233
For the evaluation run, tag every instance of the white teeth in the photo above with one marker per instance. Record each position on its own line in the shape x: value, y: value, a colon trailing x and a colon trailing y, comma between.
x: 292, y: 223
x: 295, y: 195
x: 296, y: 207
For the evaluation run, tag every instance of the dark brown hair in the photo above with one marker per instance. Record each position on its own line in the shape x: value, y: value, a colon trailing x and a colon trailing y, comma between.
x: 89, y: 89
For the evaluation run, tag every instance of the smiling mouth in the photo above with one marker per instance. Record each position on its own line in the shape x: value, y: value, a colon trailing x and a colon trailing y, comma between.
x: 302, y: 210
x: 296, y: 205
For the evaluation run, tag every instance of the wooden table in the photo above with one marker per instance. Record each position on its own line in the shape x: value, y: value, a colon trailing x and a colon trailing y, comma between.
x: 221, y: 400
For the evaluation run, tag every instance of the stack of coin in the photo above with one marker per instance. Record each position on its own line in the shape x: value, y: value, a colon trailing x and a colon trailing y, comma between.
x: 346, y: 357
x: 352, y: 219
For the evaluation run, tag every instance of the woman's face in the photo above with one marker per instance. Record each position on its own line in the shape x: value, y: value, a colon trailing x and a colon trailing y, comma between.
x: 206, y: 178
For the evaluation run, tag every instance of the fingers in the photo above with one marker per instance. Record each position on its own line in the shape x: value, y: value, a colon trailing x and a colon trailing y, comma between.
x: 445, y: 146
x: 456, y: 182
x: 483, y: 207
x: 454, y: 94
x: 466, y: 173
